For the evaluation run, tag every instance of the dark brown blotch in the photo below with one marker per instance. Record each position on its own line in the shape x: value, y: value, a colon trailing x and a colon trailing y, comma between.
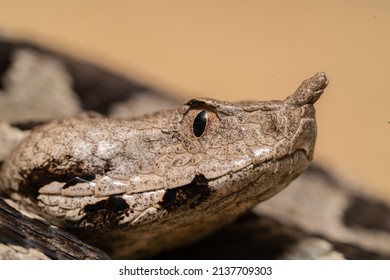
x: 190, y: 195
x: 6, y: 52
x: 116, y: 204
x: 36, y: 178
x: 100, y: 205
x: 367, y: 214
x: 108, y: 211
x: 75, y: 180
x: 113, y: 205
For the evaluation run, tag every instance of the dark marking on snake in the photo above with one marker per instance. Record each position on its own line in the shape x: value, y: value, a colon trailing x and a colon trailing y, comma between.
x: 169, y: 198
x: 39, y: 177
x: 75, y: 180
x: 100, y: 205
x: 6, y: 51
x: 107, y: 167
x: 27, y: 125
x: 191, y: 195
x: 114, y: 204
x: 110, y: 209
x: 368, y: 214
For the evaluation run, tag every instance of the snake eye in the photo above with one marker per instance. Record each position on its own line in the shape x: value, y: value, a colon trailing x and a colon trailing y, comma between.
x: 200, y: 123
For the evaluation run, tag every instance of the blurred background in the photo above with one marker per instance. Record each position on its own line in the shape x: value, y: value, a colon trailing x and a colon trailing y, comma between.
x: 241, y: 50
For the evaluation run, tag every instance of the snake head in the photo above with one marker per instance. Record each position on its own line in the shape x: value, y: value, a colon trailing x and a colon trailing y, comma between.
x: 233, y: 155
x: 225, y: 137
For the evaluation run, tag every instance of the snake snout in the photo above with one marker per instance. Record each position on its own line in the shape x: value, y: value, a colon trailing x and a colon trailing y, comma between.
x: 303, y: 100
x: 305, y: 136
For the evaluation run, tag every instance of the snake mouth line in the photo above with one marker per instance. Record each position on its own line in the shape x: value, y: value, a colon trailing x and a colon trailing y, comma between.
x: 299, y: 154
x: 277, y: 159
x: 200, y: 180
x: 199, y: 189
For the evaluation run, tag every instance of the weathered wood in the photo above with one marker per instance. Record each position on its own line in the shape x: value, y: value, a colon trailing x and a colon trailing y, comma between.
x: 28, y: 237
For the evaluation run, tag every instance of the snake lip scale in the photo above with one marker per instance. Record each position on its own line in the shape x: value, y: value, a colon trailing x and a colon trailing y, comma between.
x: 137, y: 187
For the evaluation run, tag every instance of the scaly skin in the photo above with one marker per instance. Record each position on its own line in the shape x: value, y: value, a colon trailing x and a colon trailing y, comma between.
x: 136, y: 187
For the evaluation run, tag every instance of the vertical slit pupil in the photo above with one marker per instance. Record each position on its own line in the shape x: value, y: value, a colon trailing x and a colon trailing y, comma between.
x: 200, y: 123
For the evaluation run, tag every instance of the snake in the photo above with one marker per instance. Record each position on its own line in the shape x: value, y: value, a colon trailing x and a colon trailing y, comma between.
x: 133, y: 187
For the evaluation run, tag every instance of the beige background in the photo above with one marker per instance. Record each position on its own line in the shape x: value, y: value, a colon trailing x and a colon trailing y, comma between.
x: 242, y: 49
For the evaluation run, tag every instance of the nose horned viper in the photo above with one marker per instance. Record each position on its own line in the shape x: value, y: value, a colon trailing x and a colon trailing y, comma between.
x: 135, y: 187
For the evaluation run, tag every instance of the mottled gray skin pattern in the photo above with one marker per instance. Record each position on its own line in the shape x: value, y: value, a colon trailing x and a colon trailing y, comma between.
x: 147, y: 184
